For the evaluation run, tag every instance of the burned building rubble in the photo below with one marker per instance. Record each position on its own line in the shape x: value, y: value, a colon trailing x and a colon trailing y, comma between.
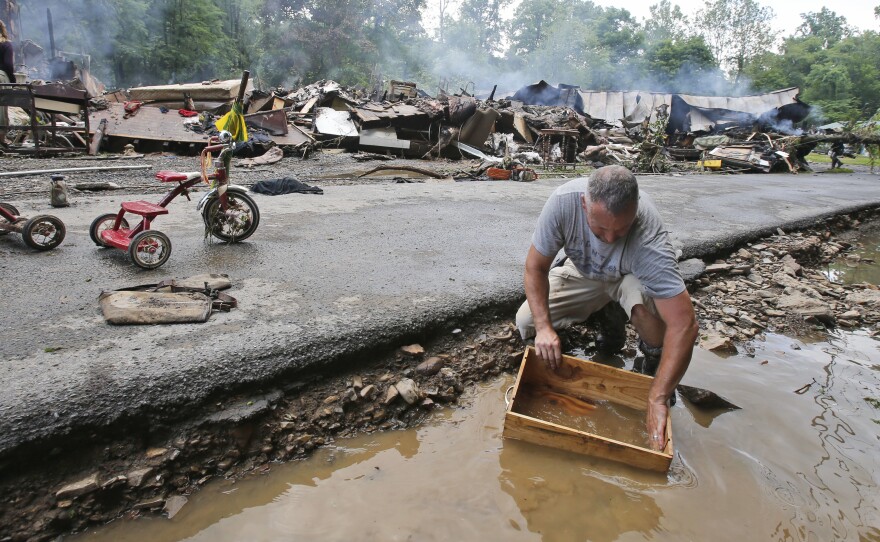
x: 539, y: 125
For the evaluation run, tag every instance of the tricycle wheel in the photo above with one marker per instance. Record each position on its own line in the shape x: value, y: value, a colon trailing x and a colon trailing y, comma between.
x: 102, y: 223
x: 9, y: 209
x: 237, y: 222
x: 43, y: 232
x: 149, y: 249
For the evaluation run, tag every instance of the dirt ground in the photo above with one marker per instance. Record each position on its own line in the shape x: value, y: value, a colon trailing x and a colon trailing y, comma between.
x: 152, y: 468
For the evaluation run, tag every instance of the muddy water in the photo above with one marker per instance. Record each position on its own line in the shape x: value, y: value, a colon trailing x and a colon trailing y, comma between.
x: 863, y: 264
x: 603, y: 418
x: 791, y: 465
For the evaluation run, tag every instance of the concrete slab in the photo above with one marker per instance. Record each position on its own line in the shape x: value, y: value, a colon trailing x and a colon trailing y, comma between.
x: 323, y: 277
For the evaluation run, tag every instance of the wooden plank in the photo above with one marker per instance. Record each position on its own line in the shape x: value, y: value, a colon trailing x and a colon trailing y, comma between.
x: 149, y: 123
x: 521, y: 427
x: 219, y: 90
x: 588, y: 380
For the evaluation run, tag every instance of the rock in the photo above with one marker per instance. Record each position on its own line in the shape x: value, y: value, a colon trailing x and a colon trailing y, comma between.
x: 357, y: 382
x: 390, y: 395
x: 368, y: 391
x: 427, y: 403
x: 430, y: 366
x: 774, y: 313
x: 136, y: 477
x: 730, y: 311
x: 409, y: 390
x: 766, y: 294
x: 244, y: 411
x: 790, y: 266
x: 744, y: 254
x: 82, y: 487
x: 156, y: 452
x: 173, y: 505
x: 331, y: 399
x: 413, y: 349
x: 115, y: 481
x: 691, y: 269
x: 864, y: 297
x: 759, y: 247
x: 716, y: 342
x: 851, y: 315
x: 805, y: 306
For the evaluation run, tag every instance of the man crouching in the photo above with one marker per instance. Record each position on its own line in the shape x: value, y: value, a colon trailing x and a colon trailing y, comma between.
x: 617, y: 252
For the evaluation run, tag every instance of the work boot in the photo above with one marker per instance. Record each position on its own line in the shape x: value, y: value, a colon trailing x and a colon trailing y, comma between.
x: 611, y: 323
x: 648, y: 364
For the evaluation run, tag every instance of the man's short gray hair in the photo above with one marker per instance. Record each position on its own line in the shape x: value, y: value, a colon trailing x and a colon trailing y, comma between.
x: 615, y: 187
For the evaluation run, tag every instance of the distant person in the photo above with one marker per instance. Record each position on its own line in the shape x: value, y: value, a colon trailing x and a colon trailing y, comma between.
x: 617, y: 252
x: 7, y: 75
x: 837, y: 151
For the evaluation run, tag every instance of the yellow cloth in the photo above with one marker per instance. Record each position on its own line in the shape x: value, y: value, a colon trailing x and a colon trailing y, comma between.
x: 233, y: 122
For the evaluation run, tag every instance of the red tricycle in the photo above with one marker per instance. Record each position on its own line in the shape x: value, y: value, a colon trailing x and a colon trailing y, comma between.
x: 228, y: 212
x: 42, y: 232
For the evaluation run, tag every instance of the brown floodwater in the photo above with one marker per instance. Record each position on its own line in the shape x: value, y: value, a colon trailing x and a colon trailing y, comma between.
x: 800, y: 461
x: 863, y: 264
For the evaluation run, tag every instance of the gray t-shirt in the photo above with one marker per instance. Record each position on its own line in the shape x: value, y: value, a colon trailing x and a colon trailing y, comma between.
x: 645, y: 251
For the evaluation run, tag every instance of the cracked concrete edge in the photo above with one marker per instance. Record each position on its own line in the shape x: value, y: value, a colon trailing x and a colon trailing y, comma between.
x: 336, y: 350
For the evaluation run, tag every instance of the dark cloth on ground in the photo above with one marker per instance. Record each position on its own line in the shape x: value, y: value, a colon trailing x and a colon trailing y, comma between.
x: 287, y: 185
x: 256, y: 145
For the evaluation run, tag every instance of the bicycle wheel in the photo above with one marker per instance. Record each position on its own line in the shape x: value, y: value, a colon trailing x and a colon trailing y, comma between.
x: 11, y: 210
x: 104, y: 222
x: 43, y: 232
x: 149, y: 249
x: 237, y: 222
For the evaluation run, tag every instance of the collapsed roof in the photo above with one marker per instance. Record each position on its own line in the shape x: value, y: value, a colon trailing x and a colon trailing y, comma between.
x: 687, y: 113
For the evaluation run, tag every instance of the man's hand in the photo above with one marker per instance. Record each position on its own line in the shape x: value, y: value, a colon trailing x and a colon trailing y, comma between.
x: 656, y: 423
x: 548, y: 347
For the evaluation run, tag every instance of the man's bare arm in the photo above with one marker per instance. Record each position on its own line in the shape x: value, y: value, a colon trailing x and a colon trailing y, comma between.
x: 537, y: 286
x: 678, y: 345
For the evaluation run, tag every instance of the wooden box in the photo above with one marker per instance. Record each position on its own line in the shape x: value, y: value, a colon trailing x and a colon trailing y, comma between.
x: 582, y: 383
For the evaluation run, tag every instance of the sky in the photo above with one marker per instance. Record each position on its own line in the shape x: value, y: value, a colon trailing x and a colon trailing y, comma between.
x: 859, y: 13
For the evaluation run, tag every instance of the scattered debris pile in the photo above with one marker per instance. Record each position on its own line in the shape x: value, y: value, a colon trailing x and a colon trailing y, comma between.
x: 552, y: 127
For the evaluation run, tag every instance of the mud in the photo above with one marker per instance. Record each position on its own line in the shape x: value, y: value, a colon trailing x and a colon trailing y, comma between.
x: 146, y: 471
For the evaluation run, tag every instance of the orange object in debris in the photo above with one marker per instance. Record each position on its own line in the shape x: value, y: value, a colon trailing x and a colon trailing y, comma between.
x: 498, y: 174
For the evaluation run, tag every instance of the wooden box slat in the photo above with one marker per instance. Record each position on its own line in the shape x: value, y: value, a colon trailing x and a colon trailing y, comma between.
x: 585, y: 380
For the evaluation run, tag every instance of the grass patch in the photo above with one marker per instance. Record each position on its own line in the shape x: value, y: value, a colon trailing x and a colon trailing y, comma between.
x: 836, y: 170
x: 873, y: 402
x: 859, y: 160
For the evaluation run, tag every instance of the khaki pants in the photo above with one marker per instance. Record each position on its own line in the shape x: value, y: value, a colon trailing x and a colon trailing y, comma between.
x: 574, y: 298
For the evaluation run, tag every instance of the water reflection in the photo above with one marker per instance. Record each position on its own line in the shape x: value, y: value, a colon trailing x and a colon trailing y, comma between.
x: 561, y: 499
x: 860, y: 264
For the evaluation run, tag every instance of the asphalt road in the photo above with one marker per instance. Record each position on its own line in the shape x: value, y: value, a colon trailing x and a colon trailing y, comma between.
x: 324, y: 277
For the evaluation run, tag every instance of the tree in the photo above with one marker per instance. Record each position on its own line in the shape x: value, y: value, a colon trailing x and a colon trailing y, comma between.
x: 677, y: 66
x: 736, y: 31
x: 666, y: 22
x: 825, y: 25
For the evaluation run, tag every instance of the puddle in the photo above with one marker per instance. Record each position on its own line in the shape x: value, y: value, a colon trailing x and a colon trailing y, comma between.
x: 855, y: 269
x: 788, y: 466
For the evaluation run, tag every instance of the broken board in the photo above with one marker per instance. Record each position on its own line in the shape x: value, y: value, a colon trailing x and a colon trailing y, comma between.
x: 217, y: 90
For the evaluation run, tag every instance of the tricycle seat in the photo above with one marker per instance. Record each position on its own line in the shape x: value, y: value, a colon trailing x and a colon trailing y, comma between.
x: 166, y: 176
x: 143, y: 208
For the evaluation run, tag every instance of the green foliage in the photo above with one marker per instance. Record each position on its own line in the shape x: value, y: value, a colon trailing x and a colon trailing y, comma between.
x: 736, y: 31
x: 675, y: 64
